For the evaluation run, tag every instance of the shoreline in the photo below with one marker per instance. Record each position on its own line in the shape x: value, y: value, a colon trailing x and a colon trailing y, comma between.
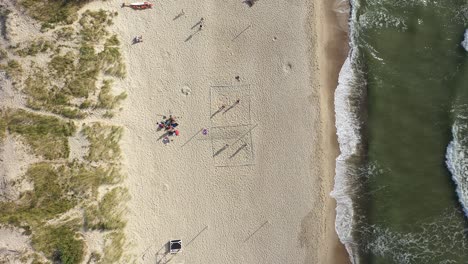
x: 332, y: 50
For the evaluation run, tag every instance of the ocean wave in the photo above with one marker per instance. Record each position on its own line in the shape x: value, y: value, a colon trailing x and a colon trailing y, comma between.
x: 457, y: 160
x: 465, y: 41
x: 348, y: 138
x: 381, y: 19
x: 424, y: 245
x: 347, y: 96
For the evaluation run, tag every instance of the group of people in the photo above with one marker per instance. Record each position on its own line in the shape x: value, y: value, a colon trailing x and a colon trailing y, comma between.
x: 137, y: 39
x: 169, y: 125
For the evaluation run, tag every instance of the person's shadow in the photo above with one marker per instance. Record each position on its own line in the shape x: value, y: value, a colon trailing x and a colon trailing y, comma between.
x: 163, y: 256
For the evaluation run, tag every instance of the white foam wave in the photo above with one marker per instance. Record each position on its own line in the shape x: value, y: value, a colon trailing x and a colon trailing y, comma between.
x: 381, y: 19
x: 349, y: 139
x: 457, y: 161
x: 465, y: 41
x: 427, y: 244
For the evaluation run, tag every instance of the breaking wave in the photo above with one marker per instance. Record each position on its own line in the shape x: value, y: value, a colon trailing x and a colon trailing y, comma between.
x: 457, y: 158
x: 349, y: 95
x: 465, y: 41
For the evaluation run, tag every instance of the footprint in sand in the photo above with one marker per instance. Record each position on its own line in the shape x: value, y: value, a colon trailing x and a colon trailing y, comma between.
x: 287, y: 67
x: 186, y: 90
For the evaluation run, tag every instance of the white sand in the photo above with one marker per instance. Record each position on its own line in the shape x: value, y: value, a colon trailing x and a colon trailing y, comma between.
x: 12, y: 245
x: 276, y: 209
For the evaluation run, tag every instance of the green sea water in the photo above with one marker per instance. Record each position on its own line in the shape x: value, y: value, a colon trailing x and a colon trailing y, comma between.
x: 409, y: 205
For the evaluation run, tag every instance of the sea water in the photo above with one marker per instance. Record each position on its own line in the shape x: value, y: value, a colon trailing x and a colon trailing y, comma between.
x: 402, y: 122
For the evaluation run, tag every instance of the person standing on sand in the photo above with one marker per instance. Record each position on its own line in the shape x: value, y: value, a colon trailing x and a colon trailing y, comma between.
x: 200, y: 27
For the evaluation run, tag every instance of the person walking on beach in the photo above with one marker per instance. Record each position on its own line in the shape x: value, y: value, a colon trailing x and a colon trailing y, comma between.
x: 200, y: 27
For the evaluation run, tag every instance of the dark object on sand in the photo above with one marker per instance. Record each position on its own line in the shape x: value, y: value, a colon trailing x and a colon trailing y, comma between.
x: 137, y: 39
x: 175, y: 246
x: 138, y: 5
x: 250, y: 3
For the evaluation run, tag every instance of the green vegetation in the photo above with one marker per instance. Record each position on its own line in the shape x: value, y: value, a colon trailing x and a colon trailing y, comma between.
x: 66, y: 85
x: 64, y: 34
x: 13, y: 69
x: 82, y: 181
x: 113, y: 41
x: 3, y: 126
x: 53, y: 12
x: 47, y: 136
x: 47, y: 199
x: 61, y: 244
x: 104, y: 142
x: 34, y: 47
x: 62, y: 67
x: 111, y: 62
x: 42, y: 95
x: 84, y: 81
x: 56, y: 190
x: 113, y: 247
x: 94, y: 25
x: 3, y: 54
x: 108, y: 114
x: 107, y: 214
x: 108, y: 101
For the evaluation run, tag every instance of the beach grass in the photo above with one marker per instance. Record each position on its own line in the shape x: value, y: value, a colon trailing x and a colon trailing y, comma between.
x: 104, y: 142
x: 106, y: 215
x: 53, y: 12
x: 32, y: 48
x: 111, y: 58
x: 87, y: 71
x: 45, y: 201
x: 62, y: 67
x: 3, y: 126
x: 83, y: 181
x: 13, y: 69
x: 69, y: 81
x: 61, y: 244
x: 3, y: 54
x: 46, y: 135
x: 67, y: 85
x: 43, y: 95
x: 56, y: 190
x: 106, y: 99
x: 94, y: 25
x: 114, y: 246
x: 111, y: 62
x: 65, y: 34
x: 108, y: 114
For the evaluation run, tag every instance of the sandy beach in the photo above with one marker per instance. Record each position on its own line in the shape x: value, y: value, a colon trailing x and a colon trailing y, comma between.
x: 255, y: 187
